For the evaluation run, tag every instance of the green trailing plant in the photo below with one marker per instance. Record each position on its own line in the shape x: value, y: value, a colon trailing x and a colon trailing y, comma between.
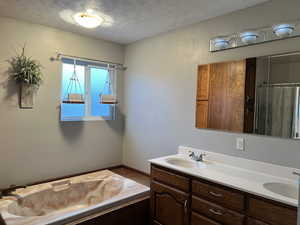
x: 25, y: 70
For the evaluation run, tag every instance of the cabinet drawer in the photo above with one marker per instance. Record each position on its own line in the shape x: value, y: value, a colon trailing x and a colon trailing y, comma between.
x: 170, y: 178
x: 224, y: 196
x: 217, y: 213
x: 197, y: 219
x: 272, y: 213
x: 255, y: 222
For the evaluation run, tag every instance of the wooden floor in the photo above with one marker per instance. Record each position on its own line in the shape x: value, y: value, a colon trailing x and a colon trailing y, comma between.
x: 133, y: 175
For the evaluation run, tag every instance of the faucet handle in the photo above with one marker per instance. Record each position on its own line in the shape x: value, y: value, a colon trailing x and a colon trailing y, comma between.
x: 296, y: 173
x: 191, y: 153
x: 202, y: 155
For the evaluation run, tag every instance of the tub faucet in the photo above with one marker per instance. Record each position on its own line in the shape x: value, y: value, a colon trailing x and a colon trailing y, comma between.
x: 198, y: 158
x: 12, y: 188
x: 2, y: 221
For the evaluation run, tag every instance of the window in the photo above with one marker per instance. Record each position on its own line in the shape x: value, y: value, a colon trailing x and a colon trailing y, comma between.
x: 92, y: 81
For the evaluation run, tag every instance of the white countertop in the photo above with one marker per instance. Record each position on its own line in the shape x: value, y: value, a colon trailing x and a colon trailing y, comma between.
x: 245, y: 175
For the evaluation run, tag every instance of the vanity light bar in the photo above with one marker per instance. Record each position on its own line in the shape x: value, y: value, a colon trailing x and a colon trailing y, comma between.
x: 256, y: 36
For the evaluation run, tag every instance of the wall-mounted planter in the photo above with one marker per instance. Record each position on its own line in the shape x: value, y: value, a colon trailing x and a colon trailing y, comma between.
x: 26, y: 96
x: 27, y: 73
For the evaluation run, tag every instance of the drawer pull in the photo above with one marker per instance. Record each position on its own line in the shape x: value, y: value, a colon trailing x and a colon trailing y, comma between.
x: 215, y: 194
x: 218, y: 213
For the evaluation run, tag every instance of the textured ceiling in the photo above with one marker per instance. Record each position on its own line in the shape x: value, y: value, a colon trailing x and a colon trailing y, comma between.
x: 126, y: 20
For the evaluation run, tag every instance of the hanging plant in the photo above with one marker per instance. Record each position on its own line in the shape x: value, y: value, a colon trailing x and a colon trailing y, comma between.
x: 27, y: 73
x: 25, y: 70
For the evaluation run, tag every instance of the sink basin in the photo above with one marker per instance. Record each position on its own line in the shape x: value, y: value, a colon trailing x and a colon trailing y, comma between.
x: 287, y: 190
x: 181, y: 162
x: 185, y: 163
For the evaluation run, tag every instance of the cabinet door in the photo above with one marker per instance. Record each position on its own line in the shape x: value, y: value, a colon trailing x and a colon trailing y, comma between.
x: 202, y: 114
x: 169, y: 206
x: 226, y: 96
x: 203, y: 82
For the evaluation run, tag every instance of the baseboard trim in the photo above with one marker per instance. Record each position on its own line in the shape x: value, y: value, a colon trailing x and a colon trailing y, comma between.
x: 136, y: 170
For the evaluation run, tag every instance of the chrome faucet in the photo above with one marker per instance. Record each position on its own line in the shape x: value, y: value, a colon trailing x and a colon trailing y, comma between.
x: 198, y: 158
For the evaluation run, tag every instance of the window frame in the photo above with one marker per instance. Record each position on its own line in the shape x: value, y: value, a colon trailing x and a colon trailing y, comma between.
x: 87, y: 96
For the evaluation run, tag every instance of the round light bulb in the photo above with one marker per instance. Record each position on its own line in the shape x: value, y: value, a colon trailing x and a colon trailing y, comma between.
x: 283, y: 30
x: 249, y: 37
x: 220, y: 43
x: 88, y: 20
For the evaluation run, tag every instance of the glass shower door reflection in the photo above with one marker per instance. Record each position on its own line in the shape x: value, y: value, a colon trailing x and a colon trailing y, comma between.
x: 278, y: 111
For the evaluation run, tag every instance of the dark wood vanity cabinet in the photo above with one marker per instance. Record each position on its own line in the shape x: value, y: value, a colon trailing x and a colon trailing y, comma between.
x: 179, y: 199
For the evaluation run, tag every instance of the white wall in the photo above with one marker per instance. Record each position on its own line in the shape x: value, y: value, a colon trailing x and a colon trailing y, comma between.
x: 288, y: 72
x: 160, y: 89
x: 160, y: 99
x: 34, y: 145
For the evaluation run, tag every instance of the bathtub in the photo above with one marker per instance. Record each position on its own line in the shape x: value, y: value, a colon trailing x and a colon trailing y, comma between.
x: 67, y: 200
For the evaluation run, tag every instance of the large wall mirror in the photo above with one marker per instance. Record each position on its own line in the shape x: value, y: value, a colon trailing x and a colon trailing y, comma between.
x: 256, y: 95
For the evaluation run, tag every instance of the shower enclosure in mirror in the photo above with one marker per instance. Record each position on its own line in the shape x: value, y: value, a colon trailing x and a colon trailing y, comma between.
x: 256, y: 95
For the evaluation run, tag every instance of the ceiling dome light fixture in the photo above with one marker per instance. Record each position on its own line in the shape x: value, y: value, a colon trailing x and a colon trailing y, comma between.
x: 283, y: 30
x: 220, y: 43
x: 249, y: 37
x: 88, y: 19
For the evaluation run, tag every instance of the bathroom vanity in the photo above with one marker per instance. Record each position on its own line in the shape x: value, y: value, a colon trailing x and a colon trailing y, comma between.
x: 184, y: 193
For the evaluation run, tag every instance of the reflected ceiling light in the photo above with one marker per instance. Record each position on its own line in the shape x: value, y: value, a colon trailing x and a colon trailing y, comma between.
x: 220, y: 43
x: 283, y: 30
x: 88, y: 19
x: 249, y: 37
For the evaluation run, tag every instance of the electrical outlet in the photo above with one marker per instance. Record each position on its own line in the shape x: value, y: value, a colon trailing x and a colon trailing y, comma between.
x: 240, y: 144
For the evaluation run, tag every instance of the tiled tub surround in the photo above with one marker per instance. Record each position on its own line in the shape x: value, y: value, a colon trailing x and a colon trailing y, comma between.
x: 66, y: 200
x: 238, y: 173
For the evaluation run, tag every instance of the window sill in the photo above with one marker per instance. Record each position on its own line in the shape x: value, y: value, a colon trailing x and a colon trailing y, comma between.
x: 85, y: 119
